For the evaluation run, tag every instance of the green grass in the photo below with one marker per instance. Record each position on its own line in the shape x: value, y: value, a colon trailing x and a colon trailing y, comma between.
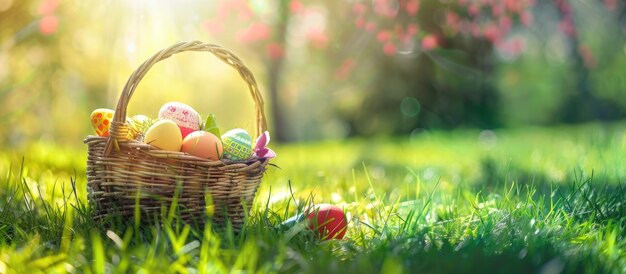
x: 531, y: 200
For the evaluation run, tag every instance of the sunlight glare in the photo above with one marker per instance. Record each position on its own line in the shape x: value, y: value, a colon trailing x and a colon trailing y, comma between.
x: 5, y: 4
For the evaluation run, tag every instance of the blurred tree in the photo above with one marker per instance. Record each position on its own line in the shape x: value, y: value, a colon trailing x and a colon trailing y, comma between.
x: 27, y: 67
x: 431, y: 63
x: 46, y: 76
x: 435, y: 67
x: 583, y: 104
x: 275, y: 51
x: 263, y: 30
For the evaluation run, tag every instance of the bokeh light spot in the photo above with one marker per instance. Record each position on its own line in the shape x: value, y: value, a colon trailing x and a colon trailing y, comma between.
x: 488, y: 139
x: 410, y: 106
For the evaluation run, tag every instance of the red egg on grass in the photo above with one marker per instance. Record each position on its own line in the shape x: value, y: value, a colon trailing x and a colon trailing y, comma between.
x: 329, y: 221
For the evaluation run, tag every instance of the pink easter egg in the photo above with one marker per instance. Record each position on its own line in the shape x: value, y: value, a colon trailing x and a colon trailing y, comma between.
x: 187, y: 119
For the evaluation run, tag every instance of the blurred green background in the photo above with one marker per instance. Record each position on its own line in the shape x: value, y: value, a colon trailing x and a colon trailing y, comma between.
x: 327, y: 69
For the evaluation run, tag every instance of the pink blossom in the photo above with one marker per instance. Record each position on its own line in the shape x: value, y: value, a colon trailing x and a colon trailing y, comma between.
x: 526, y: 18
x: 275, y: 50
x: 513, y: 6
x: 255, y: 32
x: 296, y: 6
x: 318, y: 38
x: 383, y: 36
x: 48, y: 24
x: 359, y: 8
x: 429, y: 42
x: 412, y: 7
x: 611, y: 5
x: 563, y: 6
x: 492, y: 33
x: 384, y: 8
x: 452, y: 18
x: 474, y: 10
x: 47, y: 7
x: 389, y: 48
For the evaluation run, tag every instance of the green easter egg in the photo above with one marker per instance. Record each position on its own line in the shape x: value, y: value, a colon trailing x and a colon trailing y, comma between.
x: 237, y: 144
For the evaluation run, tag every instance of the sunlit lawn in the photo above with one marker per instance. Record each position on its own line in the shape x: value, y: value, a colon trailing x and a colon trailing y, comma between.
x: 530, y: 200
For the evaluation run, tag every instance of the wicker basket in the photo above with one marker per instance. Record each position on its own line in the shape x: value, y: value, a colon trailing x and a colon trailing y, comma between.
x: 122, y: 172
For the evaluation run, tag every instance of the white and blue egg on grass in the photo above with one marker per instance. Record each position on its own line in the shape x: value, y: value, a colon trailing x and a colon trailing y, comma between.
x: 237, y: 144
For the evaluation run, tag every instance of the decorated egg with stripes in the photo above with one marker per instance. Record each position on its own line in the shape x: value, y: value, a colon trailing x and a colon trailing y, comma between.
x: 101, y: 121
x: 237, y: 144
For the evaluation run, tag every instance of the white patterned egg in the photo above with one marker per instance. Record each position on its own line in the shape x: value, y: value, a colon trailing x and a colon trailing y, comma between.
x: 187, y: 119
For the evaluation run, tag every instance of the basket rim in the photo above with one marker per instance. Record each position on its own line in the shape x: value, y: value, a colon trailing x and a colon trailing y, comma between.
x: 166, y: 154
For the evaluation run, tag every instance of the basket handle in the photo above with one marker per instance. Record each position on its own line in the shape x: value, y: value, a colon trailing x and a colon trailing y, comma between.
x: 119, y: 129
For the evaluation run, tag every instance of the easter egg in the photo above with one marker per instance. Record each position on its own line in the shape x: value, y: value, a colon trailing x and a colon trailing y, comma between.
x: 203, y: 144
x: 237, y: 144
x: 329, y: 221
x: 165, y: 135
x: 101, y: 121
x: 187, y: 119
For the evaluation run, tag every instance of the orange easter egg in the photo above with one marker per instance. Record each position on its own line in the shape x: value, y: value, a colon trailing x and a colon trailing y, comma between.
x: 203, y: 144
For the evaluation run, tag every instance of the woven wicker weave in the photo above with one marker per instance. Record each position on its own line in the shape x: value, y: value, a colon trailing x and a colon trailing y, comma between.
x: 121, y: 172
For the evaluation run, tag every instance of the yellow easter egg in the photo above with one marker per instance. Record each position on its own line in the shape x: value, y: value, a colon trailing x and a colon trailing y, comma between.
x: 101, y: 121
x: 165, y: 135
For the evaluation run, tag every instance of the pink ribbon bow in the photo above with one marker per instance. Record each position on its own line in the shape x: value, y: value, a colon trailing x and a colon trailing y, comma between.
x: 260, y: 150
